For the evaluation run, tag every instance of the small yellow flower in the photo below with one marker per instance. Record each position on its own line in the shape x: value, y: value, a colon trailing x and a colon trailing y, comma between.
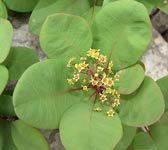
x: 84, y: 65
x: 102, y: 59
x: 70, y: 81
x: 103, y: 97
x: 116, y: 77
x: 109, y: 90
x: 76, y: 77
x: 70, y: 61
x: 110, y: 82
x: 83, y: 58
x: 93, y: 53
x: 117, y: 102
x: 100, y: 69
x: 110, y: 65
x: 98, y: 109
x: 104, y: 79
x: 79, y: 67
x: 84, y: 80
x: 96, y: 74
x: 110, y: 113
x: 85, y: 88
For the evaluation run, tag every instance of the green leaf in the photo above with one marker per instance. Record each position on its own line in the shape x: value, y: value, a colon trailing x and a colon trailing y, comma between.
x: 82, y: 129
x: 48, y: 7
x: 149, y: 4
x: 156, y: 138
x: 18, y: 60
x: 27, y: 138
x: 163, y: 84
x: 125, y: 39
x: 6, y: 105
x: 130, y: 79
x: 42, y: 92
x: 162, y: 5
x: 4, y: 78
x: 3, y: 11
x: 143, y: 141
x: 6, y: 32
x: 21, y: 5
x: 143, y: 107
x: 128, y: 136
x: 6, y: 141
x: 71, y: 35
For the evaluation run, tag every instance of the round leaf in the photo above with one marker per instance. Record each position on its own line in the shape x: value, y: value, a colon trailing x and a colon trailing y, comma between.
x: 23, y: 135
x: 123, y: 38
x: 42, y: 92
x: 70, y: 35
x: 163, y: 84
x: 21, y: 5
x: 18, y: 60
x: 130, y: 79
x: 6, y: 32
x: 155, y: 138
x: 128, y: 135
x: 82, y: 129
x: 6, y: 106
x: 143, y: 141
x: 4, y: 78
x: 143, y: 107
x: 3, y: 11
x: 6, y: 141
x: 49, y: 7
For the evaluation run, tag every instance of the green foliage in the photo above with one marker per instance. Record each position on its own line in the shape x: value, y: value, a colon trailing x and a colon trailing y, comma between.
x: 42, y: 98
x: 18, y: 60
x: 128, y: 136
x: 48, y: 99
x: 6, y: 106
x: 4, y: 77
x: 155, y: 138
x: 70, y: 35
x: 49, y: 7
x: 19, y: 136
x: 6, y: 32
x: 3, y: 11
x: 163, y: 84
x: 21, y: 5
x: 83, y: 129
x: 144, y: 107
x: 125, y: 40
x: 127, y: 83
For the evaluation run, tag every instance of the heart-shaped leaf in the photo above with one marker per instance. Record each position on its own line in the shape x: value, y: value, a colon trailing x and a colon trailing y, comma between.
x: 143, y: 107
x: 82, y: 129
x: 18, y: 60
x: 21, y: 5
x: 125, y: 39
x: 6, y: 32
x: 128, y: 136
x: 163, y: 84
x: 3, y: 11
x: 130, y: 79
x: 6, y: 106
x: 49, y: 7
x: 44, y: 95
x: 23, y: 135
x: 71, y: 35
x: 155, y: 138
x: 4, y: 77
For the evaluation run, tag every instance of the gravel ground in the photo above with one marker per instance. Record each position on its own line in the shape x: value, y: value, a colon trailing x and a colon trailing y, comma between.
x: 155, y: 60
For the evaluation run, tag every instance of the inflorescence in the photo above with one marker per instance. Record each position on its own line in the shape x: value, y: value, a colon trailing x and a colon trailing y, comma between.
x: 95, y: 72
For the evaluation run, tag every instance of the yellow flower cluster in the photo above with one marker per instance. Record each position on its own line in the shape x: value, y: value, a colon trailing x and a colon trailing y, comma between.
x: 95, y: 72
